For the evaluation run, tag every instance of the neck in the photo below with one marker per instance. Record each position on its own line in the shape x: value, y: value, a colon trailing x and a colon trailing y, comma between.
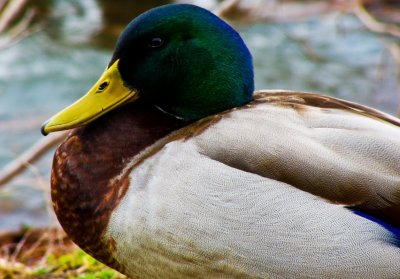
x: 86, y: 163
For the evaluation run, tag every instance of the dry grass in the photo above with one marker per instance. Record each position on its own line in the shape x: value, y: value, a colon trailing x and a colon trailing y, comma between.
x: 47, y: 253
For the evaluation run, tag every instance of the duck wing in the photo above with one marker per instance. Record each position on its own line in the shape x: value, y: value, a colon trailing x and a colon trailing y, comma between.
x: 343, y: 152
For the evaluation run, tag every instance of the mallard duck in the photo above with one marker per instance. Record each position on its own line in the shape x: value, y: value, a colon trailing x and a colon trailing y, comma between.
x: 176, y: 168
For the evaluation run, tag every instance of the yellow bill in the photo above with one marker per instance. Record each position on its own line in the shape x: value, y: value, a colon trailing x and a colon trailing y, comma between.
x: 108, y: 93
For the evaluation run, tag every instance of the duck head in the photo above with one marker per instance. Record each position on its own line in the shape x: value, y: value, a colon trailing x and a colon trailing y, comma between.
x: 180, y: 58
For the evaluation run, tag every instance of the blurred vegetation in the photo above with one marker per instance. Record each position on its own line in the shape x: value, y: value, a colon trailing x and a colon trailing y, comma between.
x: 47, y: 253
x: 116, y: 14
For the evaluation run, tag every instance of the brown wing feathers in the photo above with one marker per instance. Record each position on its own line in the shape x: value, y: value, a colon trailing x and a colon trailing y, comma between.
x: 388, y: 206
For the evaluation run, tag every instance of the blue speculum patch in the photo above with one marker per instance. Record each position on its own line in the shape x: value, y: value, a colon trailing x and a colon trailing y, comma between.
x: 395, y: 231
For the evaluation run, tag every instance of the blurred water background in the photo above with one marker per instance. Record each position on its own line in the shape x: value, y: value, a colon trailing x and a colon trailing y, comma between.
x: 70, y: 43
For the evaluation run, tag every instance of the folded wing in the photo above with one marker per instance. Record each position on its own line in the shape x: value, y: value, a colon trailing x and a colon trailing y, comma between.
x: 343, y: 152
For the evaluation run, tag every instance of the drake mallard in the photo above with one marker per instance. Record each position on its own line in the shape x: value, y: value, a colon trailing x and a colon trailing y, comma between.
x: 177, y: 168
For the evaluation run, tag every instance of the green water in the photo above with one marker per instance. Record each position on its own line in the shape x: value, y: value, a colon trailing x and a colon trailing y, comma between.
x: 51, y: 68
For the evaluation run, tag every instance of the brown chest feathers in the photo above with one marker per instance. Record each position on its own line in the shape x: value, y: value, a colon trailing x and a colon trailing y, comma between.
x: 85, y: 182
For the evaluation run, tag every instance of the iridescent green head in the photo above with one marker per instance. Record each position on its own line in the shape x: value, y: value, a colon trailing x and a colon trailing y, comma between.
x: 181, y: 58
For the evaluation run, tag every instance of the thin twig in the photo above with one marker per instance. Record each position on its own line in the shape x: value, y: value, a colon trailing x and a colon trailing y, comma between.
x: 29, y: 156
x: 371, y: 23
x: 10, y: 11
x: 16, y: 23
x: 274, y: 11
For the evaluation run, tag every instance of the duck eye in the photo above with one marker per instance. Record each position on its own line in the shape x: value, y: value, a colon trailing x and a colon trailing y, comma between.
x: 102, y: 86
x: 155, y: 42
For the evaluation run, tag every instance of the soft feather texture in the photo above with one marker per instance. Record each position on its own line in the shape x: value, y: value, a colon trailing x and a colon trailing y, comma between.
x: 266, y: 189
x: 339, y: 154
x: 257, y: 192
